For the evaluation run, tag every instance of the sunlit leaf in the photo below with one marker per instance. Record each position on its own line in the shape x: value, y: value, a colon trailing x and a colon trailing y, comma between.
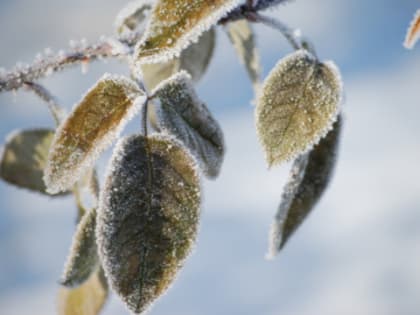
x: 133, y: 15
x: 182, y: 114
x: 413, y: 32
x: 309, y: 177
x: 90, y: 128
x: 148, y: 217
x: 83, y: 257
x: 175, y: 24
x: 243, y: 39
x: 297, y: 106
x: 87, y: 299
x: 24, y: 157
x: 195, y: 60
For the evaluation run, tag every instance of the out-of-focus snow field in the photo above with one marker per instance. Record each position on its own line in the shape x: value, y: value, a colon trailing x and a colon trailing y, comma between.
x: 358, y: 253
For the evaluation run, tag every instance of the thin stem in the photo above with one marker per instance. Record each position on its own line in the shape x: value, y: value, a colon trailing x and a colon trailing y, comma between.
x: 56, y: 110
x: 288, y: 33
x: 144, y: 117
x: 43, y: 67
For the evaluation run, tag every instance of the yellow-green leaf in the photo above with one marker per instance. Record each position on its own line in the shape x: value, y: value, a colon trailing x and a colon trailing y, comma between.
x: 24, y: 158
x: 309, y: 178
x: 83, y: 257
x: 90, y: 128
x: 297, y: 106
x: 175, y: 24
x: 87, y: 299
x: 243, y: 39
x: 148, y: 217
x: 182, y: 114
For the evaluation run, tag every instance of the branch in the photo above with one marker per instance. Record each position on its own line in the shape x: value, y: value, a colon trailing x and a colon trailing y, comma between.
x: 43, y: 67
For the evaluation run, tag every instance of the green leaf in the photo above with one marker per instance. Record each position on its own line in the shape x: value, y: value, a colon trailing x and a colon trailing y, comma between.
x: 87, y: 299
x: 243, y: 39
x: 133, y: 15
x: 83, y: 257
x: 175, y: 24
x: 297, y: 106
x: 92, y: 126
x: 182, y: 114
x: 148, y: 217
x: 24, y: 158
x: 309, y: 178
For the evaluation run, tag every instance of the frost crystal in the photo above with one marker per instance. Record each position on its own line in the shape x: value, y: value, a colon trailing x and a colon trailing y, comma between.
x: 133, y: 16
x: 175, y: 24
x: 148, y: 217
x: 94, y: 123
x: 309, y: 177
x: 297, y: 106
x: 182, y: 114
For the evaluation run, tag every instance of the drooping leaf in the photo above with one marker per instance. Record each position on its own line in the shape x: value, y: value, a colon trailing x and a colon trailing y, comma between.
x: 87, y: 299
x: 310, y: 175
x: 133, y: 16
x: 24, y: 158
x: 83, y: 257
x: 182, y: 114
x: 195, y: 60
x: 90, y: 128
x: 413, y: 32
x: 148, y: 217
x: 242, y: 38
x: 175, y: 24
x: 297, y: 106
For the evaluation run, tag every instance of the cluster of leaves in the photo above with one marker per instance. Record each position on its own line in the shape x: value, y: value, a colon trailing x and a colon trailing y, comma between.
x: 143, y: 221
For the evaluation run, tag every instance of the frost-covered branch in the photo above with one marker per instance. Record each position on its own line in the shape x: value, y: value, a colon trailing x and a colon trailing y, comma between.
x: 45, y: 65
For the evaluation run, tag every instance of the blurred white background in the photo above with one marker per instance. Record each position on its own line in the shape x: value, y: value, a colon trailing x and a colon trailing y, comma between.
x: 358, y: 253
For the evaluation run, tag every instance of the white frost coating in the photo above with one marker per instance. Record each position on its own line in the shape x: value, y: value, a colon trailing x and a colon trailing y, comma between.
x: 413, y: 32
x: 130, y: 10
x: 187, y: 38
x: 70, y: 176
x: 332, y: 119
x: 181, y: 76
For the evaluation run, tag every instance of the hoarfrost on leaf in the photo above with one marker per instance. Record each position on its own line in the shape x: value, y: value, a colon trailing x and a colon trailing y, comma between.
x: 133, y: 16
x: 310, y: 175
x: 147, y: 222
x: 94, y: 123
x: 243, y: 39
x: 413, y: 32
x: 297, y: 106
x: 83, y: 257
x: 182, y: 114
x: 24, y: 157
x: 87, y: 299
x: 175, y: 24
x: 195, y: 60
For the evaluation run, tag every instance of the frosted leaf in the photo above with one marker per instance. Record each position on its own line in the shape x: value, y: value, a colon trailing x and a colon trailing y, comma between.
x: 413, y: 32
x: 242, y: 38
x: 195, y: 60
x: 133, y: 15
x: 175, y: 24
x: 24, y: 157
x: 87, y: 299
x: 94, y: 123
x: 297, y: 106
x: 182, y: 114
x: 148, y: 217
x: 309, y: 177
x: 83, y: 257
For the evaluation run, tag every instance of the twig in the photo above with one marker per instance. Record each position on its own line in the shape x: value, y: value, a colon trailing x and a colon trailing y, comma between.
x: 43, y: 67
x: 56, y: 110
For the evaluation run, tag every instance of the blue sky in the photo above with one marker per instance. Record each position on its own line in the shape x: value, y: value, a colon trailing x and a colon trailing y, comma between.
x: 357, y: 253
